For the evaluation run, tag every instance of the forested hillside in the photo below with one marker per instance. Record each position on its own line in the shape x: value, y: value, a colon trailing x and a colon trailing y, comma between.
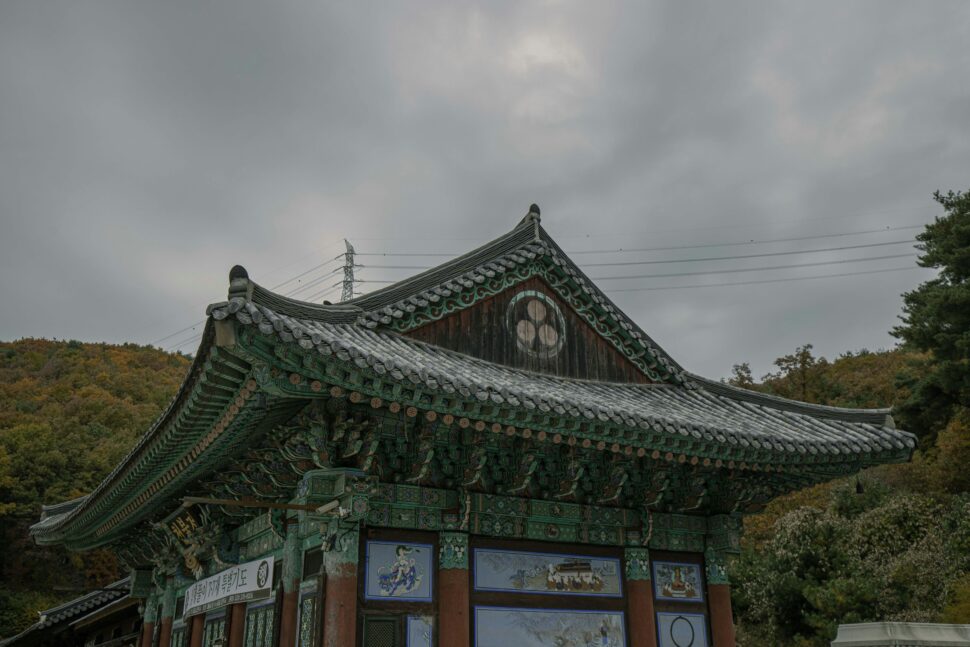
x: 68, y: 413
x: 894, y: 547
x: 894, y: 543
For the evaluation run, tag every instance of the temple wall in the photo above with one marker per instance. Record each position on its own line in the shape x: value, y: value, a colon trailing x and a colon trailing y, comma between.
x: 406, y: 569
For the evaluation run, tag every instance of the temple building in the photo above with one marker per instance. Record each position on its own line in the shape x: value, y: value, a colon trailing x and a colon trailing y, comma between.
x: 489, y: 454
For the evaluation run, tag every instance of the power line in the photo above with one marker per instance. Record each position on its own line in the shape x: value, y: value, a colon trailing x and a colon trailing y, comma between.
x: 692, y: 260
x: 328, y: 290
x: 316, y: 281
x: 298, y: 261
x: 334, y: 287
x: 735, y: 225
x: 766, y: 254
x: 178, y: 332
x: 785, y: 280
x: 752, y: 269
x: 324, y: 292
x: 279, y: 285
x: 301, y: 275
x: 188, y: 340
x: 627, y: 250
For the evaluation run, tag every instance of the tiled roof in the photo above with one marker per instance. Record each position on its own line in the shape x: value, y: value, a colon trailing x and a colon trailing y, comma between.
x: 76, y: 607
x: 361, y: 333
x: 524, y: 245
x: 704, y: 410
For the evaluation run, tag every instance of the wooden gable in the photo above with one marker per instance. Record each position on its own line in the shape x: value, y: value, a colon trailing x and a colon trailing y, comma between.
x: 528, y: 326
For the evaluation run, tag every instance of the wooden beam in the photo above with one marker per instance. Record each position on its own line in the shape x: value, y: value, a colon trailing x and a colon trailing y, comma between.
x: 247, y: 502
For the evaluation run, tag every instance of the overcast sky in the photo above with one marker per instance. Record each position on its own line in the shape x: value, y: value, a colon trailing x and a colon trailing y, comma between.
x: 146, y: 147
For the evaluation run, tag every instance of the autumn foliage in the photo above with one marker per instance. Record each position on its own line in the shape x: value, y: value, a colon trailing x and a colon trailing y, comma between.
x: 68, y: 414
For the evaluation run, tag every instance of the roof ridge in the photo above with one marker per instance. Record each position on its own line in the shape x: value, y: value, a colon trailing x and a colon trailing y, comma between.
x: 523, y: 233
x: 875, y: 416
x: 591, y: 286
x: 521, y: 247
x: 116, y: 586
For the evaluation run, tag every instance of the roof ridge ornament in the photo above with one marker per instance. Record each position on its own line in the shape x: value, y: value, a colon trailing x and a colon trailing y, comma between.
x: 532, y: 218
x: 239, y: 283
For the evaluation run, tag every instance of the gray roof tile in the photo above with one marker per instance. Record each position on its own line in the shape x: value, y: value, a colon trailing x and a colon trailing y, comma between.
x: 708, y: 410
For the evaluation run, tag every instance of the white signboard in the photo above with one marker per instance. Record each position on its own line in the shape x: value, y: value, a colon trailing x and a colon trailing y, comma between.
x: 249, y: 581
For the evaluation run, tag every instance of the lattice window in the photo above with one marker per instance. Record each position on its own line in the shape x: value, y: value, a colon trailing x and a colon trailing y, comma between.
x: 259, y: 626
x: 381, y: 632
x: 308, y: 620
x: 178, y: 637
x: 215, y: 628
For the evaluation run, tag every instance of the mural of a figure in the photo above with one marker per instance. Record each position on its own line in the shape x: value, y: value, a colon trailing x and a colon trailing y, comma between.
x: 675, y: 581
x: 399, y: 570
x: 400, y: 577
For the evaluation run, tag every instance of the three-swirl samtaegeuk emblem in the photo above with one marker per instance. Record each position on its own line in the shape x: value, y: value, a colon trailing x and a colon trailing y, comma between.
x: 536, y: 323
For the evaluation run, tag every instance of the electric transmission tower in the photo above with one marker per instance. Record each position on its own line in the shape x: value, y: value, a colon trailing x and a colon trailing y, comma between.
x: 348, y: 284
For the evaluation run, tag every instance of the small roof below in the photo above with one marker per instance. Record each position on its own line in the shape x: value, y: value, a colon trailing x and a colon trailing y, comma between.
x: 62, y: 614
x: 902, y: 634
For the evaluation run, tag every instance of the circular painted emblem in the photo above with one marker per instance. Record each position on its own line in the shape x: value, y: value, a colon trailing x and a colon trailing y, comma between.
x: 682, y: 632
x: 536, y: 323
x: 262, y: 574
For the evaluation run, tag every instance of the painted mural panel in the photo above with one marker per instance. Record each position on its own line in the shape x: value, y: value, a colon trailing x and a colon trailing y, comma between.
x: 399, y: 571
x: 420, y: 631
x: 678, y: 581
x: 548, y: 573
x: 504, y: 627
x: 682, y: 630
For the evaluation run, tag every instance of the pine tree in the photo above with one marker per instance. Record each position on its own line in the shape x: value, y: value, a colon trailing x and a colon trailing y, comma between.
x: 936, y: 319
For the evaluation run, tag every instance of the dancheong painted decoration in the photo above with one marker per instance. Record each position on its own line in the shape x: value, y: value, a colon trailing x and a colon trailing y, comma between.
x: 487, y: 453
x: 546, y: 573
x: 503, y: 626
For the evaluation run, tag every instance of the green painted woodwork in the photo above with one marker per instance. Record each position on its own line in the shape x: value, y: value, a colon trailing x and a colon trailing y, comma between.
x: 352, y: 488
x: 141, y: 582
x: 168, y: 599
x: 453, y: 550
x: 150, y: 607
x: 500, y: 516
x: 341, y: 547
x: 724, y: 533
x: 715, y: 566
x: 637, y: 563
x: 678, y: 532
x: 411, y: 506
x: 292, y: 559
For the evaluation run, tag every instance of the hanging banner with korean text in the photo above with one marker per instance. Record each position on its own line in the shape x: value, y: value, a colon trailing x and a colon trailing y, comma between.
x: 242, y: 583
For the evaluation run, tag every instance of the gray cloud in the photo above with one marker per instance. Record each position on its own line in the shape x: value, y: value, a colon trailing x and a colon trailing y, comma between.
x: 147, y: 147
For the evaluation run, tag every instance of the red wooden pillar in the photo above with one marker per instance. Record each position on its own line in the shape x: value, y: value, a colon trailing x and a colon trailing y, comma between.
x: 148, y: 619
x: 292, y: 564
x: 168, y: 611
x: 639, y: 590
x: 196, y: 630
x: 340, y: 596
x: 720, y: 544
x: 237, y: 624
x: 722, y: 621
x: 147, y: 631
x: 453, y: 590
